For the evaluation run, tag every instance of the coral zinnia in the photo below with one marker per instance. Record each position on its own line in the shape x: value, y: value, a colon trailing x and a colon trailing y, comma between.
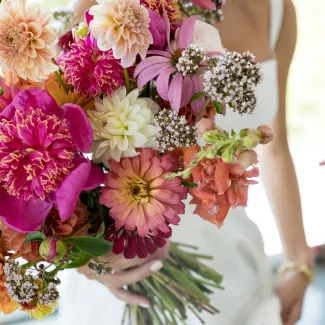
x: 140, y: 197
x: 123, y: 26
x: 91, y: 71
x: 39, y: 158
x: 7, y: 94
x: 26, y: 40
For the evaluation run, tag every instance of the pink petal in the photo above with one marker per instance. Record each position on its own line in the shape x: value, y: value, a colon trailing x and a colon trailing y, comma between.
x: 158, y: 52
x: 187, y: 92
x: 88, y: 17
x: 207, y: 4
x: 149, y: 62
x: 186, y: 33
x: 96, y: 178
x: 67, y: 195
x: 23, y: 216
x: 221, y: 177
x: 150, y: 73
x: 80, y: 128
x: 32, y: 97
x: 175, y: 92
x: 197, y: 88
x: 163, y: 82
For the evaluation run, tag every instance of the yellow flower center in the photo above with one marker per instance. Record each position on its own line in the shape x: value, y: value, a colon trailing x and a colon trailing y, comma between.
x: 138, y: 190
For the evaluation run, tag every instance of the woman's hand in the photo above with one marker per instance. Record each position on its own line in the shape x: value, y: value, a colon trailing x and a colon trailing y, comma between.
x: 292, y: 287
x: 127, y: 272
x: 291, y: 290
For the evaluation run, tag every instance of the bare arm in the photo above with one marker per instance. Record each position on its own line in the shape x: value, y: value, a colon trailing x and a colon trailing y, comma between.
x: 279, y: 177
x: 277, y: 168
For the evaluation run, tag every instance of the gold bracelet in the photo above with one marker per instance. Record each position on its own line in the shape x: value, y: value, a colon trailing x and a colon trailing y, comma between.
x: 302, y: 268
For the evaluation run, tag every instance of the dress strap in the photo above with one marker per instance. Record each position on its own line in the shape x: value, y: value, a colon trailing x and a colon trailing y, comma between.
x: 277, y: 12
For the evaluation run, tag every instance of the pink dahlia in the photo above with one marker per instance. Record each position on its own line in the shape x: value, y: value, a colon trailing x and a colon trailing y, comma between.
x: 91, y: 71
x: 140, y: 197
x: 131, y: 244
x: 26, y: 40
x: 178, y: 70
x: 123, y: 27
x: 7, y: 94
x: 40, y: 164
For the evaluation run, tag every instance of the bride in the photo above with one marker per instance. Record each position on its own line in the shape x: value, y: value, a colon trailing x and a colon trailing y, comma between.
x: 268, y: 29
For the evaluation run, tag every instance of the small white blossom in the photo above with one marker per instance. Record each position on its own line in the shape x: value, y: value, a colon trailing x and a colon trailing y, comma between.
x: 173, y: 131
x: 231, y: 79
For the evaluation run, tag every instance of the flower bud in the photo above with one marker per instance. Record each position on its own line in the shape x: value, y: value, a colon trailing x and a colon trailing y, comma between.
x: 81, y: 31
x: 249, y: 141
x: 210, y: 137
x: 248, y: 158
x: 205, y: 125
x: 52, y: 249
x: 266, y: 134
x: 228, y: 154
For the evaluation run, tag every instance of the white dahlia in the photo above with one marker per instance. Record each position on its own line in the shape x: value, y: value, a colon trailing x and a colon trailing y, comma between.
x: 121, y: 124
x: 26, y: 40
x: 123, y: 26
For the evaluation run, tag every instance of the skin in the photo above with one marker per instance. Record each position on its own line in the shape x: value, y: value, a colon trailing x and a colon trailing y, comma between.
x: 246, y: 27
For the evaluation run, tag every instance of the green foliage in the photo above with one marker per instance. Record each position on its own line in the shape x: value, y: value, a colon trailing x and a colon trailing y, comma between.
x: 91, y: 245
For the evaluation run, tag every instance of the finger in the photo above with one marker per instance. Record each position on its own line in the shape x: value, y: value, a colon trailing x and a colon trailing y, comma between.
x: 130, y: 298
x: 119, y: 280
x: 295, y: 314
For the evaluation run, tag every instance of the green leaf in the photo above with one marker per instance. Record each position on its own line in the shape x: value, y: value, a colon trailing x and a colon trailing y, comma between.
x: 218, y: 107
x: 189, y: 184
x: 35, y: 236
x: 197, y: 96
x: 82, y: 260
x: 101, y: 230
x: 91, y: 245
x: 233, y: 133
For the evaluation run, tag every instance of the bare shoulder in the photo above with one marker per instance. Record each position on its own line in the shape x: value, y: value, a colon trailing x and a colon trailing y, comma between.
x: 288, y: 36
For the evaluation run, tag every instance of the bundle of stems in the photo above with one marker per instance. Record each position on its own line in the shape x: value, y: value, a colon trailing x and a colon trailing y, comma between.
x: 183, y: 286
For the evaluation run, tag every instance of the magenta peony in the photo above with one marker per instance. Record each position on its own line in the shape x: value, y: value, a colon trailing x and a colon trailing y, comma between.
x: 40, y: 164
x: 91, y: 71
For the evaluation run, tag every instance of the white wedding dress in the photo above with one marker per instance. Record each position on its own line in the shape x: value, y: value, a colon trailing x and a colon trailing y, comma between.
x: 237, y: 248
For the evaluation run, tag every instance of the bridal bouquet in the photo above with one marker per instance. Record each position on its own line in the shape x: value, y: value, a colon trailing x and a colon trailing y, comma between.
x: 104, y: 133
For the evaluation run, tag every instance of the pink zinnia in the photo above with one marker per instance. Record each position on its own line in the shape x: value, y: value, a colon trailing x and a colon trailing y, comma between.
x: 91, y: 71
x: 40, y: 163
x: 182, y: 65
x: 140, y: 197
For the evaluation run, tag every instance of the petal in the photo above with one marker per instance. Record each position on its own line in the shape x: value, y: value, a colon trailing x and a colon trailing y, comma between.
x: 158, y: 52
x: 207, y: 4
x: 96, y: 178
x: 187, y: 92
x: 186, y: 33
x: 197, y: 88
x: 81, y: 131
x: 175, y: 92
x: 150, y: 73
x: 67, y: 195
x: 32, y: 97
x: 23, y: 216
x: 149, y: 62
x: 221, y: 177
x: 163, y: 82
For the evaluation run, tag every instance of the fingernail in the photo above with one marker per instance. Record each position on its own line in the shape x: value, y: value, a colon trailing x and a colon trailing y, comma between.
x: 156, y: 266
x: 145, y: 306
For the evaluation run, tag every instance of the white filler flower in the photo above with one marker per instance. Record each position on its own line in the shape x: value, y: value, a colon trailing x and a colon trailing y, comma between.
x: 121, y: 124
